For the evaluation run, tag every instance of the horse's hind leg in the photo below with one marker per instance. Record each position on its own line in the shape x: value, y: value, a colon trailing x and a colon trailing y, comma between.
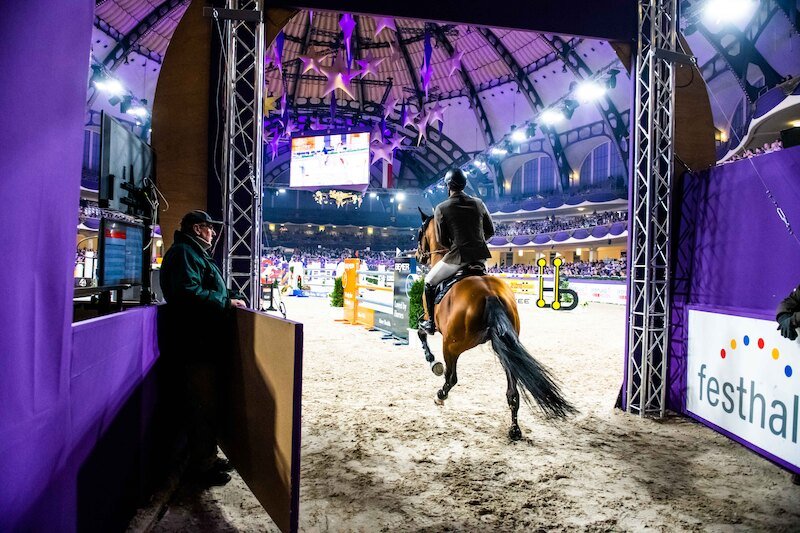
x: 450, y: 376
x: 436, y: 367
x: 512, y: 395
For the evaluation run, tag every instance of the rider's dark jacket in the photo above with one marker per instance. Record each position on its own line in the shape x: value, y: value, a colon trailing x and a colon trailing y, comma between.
x: 463, y: 226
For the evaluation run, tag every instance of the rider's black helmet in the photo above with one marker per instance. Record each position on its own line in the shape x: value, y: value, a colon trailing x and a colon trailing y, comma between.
x: 455, y: 179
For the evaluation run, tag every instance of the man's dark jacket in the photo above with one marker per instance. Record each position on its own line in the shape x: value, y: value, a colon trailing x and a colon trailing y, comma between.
x: 197, y: 299
x: 463, y: 225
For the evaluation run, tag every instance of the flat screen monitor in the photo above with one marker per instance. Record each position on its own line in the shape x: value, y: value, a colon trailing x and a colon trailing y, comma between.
x: 120, y: 247
x: 330, y: 161
x: 124, y: 158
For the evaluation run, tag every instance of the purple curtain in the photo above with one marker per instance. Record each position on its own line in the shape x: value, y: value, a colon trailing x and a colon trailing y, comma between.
x: 43, y: 94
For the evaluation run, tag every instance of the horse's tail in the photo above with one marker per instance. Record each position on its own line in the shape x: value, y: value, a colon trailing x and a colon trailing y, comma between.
x: 535, y: 379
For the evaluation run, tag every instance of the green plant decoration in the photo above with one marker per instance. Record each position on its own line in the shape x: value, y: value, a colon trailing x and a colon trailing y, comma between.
x: 416, y: 310
x: 337, y: 296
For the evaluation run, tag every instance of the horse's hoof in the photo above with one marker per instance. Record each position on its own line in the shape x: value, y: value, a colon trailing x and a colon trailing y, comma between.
x: 515, y: 433
x: 437, y: 368
x: 438, y: 401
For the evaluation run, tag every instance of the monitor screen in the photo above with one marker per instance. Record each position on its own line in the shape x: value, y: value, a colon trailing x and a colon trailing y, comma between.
x: 121, y: 254
x: 331, y: 161
x: 124, y: 158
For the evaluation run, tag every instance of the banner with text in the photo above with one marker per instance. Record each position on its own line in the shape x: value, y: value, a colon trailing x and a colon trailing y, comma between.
x: 745, y: 378
x: 405, y: 270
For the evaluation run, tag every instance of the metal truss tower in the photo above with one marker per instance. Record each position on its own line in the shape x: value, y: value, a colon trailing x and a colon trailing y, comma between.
x: 243, y: 52
x: 649, y: 261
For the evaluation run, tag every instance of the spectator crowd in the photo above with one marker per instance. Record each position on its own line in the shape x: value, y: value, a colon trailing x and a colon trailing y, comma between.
x: 552, y: 224
x: 765, y: 149
x: 608, y: 268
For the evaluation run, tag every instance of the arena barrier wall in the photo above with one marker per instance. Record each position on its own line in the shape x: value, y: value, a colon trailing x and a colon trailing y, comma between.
x: 260, y: 422
x: 735, y: 260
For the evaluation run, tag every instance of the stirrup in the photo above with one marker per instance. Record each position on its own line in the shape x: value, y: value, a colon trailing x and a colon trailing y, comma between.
x: 428, y: 326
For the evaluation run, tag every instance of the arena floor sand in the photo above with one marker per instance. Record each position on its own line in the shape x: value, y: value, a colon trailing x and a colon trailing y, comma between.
x: 378, y: 455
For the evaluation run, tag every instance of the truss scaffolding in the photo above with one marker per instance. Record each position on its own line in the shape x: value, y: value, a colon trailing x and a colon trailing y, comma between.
x: 243, y: 53
x: 649, y: 254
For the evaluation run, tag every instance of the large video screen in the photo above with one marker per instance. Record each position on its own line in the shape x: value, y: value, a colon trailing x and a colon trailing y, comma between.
x: 124, y: 158
x: 121, y: 255
x: 330, y: 161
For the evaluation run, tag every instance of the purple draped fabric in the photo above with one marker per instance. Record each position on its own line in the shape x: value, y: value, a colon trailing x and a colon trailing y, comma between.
x: 561, y: 236
x: 93, y: 223
x: 542, y: 239
x: 618, y: 228
x: 521, y: 240
x: 498, y: 241
x: 734, y: 252
x: 580, y: 234
x: 600, y: 232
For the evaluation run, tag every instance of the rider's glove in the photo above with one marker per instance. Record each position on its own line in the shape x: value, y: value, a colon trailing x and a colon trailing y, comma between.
x: 786, y: 327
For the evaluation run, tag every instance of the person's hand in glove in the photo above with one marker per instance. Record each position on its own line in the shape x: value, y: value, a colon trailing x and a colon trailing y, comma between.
x: 786, y: 328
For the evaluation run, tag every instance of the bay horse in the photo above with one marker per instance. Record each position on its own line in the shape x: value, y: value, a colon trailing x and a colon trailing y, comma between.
x: 478, y: 309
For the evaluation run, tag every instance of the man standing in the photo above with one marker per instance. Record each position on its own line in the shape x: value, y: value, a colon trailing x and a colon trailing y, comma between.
x: 788, y: 317
x: 197, y: 318
x: 463, y: 226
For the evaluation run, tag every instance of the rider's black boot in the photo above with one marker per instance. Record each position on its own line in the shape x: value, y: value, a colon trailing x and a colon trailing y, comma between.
x: 429, y: 325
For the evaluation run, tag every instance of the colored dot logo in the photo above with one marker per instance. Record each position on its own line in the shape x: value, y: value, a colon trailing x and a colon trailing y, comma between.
x: 775, y: 353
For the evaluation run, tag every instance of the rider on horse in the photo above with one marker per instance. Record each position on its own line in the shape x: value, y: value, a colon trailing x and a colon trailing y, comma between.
x: 463, y: 226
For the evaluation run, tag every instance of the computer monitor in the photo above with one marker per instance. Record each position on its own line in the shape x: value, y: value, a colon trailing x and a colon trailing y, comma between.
x: 125, y: 161
x: 121, y: 253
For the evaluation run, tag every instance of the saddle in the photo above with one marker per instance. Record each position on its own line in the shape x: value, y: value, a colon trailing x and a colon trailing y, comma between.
x: 473, y: 269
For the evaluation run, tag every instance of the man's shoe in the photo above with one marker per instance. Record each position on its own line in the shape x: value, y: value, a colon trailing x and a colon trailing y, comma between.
x: 223, y: 465
x: 213, y: 478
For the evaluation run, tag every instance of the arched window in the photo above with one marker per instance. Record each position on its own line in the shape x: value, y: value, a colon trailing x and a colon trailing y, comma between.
x: 602, y: 163
x: 547, y: 174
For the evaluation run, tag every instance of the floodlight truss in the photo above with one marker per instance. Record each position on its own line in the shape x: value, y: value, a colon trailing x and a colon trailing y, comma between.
x: 649, y: 257
x: 243, y: 52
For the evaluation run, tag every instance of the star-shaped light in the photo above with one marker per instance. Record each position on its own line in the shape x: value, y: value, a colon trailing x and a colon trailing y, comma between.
x: 426, y: 73
x: 382, y: 23
x: 376, y: 135
x: 454, y: 63
x: 291, y: 127
x: 312, y: 61
x: 347, y: 24
x: 381, y: 152
x: 409, y: 120
x: 277, y: 52
x: 273, y: 143
x: 395, y: 55
x: 369, y: 64
x: 338, y: 77
x: 422, y: 127
x: 435, y: 114
x: 269, y: 104
x: 397, y: 142
x: 389, y: 105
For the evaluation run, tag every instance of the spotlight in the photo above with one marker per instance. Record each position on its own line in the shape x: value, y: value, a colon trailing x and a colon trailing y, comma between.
x: 111, y: 86
x: 552, y: 116
x: 569, y: 108
x: 728, y: 11
x: 281, y: 190
x: 589, y: 91
x: 519, y: 135
x: 391, y: 200
x: 373, y: 195
x: 611, y: 82
x: 138, y: 111
x: 498, y: 151
x: 400, y: 196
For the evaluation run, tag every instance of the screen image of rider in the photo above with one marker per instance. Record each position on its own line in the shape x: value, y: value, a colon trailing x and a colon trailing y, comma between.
x: 330, y: 160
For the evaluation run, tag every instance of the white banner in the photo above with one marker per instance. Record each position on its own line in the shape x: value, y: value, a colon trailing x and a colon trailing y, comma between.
x: 745, y: 378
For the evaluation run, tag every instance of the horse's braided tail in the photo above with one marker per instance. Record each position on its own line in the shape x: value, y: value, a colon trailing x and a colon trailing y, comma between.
x: 535, y: 379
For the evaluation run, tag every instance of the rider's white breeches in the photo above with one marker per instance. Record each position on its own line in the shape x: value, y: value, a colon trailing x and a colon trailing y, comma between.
x: 440, y: 272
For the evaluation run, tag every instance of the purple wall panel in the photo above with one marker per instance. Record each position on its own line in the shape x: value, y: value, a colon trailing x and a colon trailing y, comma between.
x: 732, y: 251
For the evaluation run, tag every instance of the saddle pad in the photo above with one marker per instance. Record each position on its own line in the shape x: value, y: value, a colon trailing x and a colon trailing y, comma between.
x: 474, y: 269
